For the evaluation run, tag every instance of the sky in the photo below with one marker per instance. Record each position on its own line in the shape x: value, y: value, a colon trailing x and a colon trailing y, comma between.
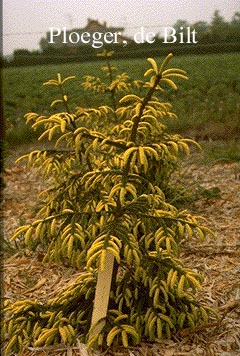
x: 26, y: 22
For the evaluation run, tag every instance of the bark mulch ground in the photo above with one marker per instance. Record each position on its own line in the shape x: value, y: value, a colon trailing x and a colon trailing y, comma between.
x: 218, y: 190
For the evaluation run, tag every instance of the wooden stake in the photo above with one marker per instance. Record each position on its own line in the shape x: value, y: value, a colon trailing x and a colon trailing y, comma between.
x: 101, y: 300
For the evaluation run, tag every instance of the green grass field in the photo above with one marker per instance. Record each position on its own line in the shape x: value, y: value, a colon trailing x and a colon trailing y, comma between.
x: 207, y: 105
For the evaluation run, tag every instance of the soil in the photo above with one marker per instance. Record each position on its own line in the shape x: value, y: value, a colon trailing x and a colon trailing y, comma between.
x: 216, y: 259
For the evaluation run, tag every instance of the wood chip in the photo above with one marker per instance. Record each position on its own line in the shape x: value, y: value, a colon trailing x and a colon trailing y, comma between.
x: 217, y: 260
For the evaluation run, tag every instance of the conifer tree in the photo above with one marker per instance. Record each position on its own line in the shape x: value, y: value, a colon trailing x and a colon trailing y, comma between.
x: 107, y: 176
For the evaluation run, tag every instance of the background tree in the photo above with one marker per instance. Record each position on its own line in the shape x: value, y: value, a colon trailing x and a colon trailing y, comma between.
x: 219, y: 28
